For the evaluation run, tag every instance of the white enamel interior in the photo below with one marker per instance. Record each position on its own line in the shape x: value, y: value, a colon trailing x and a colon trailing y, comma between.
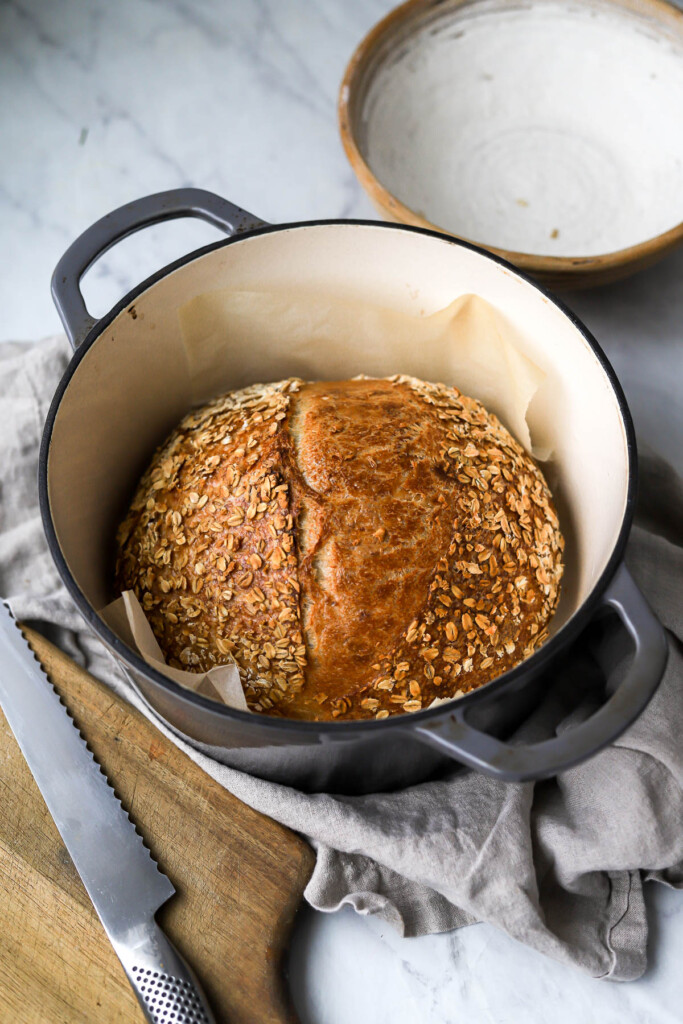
x: 132, y: 386
x: 549, y: 127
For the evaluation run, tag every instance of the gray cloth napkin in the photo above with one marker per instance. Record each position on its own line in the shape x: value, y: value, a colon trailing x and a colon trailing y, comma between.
x: 559, y: 865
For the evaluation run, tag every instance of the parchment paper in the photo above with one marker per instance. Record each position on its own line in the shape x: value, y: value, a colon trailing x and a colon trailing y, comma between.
x: 127, y: 619
x: 235, y: 338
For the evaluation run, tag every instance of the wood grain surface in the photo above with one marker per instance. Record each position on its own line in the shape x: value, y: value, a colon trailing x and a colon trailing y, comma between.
x: 239, y: 877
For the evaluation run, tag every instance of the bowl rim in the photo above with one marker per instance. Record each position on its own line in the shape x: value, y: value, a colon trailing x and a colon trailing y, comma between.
x: 347, y: 729
x: 537, y: 263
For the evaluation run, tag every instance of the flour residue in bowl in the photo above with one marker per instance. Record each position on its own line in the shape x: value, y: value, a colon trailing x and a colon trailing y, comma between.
x: 547, y: 129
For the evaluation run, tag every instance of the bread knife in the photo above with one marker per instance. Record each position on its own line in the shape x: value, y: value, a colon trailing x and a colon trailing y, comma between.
x: 121, y: 877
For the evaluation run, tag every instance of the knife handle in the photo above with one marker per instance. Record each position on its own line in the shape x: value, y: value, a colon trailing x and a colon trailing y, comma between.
x: 164, y: 983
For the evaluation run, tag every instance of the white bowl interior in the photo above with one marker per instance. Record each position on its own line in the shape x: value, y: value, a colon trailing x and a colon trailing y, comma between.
x: 549, y: 127
x: 133, y: 384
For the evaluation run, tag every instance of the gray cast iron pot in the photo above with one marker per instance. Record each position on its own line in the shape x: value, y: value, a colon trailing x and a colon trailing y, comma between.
x: 127, y: 385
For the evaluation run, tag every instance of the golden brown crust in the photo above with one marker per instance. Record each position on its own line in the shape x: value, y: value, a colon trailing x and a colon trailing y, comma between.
x: 359, y: 547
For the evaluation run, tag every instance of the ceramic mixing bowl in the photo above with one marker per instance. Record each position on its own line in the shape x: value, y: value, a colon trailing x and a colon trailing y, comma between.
x: 548, y: 132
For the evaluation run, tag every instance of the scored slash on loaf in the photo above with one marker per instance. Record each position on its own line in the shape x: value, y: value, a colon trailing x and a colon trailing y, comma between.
x: 359, y: 548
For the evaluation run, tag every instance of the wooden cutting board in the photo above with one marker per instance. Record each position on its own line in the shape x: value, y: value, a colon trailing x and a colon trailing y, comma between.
x: 239, y: 877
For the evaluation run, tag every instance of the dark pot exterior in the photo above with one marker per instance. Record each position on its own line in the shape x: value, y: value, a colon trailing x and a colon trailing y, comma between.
x: 374, y: 756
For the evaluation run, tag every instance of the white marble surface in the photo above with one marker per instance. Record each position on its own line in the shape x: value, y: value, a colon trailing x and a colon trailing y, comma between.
x: 102, y: 103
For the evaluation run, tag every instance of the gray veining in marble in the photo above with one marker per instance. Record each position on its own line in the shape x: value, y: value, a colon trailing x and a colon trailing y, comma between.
x: 104, y: 102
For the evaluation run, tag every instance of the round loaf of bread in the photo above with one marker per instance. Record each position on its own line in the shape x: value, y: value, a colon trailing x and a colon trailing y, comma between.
x: 359, y: 547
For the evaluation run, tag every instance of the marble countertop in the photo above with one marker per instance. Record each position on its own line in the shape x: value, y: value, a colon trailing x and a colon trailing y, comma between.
x: 103, y: 103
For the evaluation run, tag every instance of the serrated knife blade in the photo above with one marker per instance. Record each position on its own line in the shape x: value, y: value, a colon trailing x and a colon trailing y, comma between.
x: 118, y: 871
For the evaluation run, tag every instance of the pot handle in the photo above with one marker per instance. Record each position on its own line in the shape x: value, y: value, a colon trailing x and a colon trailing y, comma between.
x: 454, y: 736
x: 117, y: 225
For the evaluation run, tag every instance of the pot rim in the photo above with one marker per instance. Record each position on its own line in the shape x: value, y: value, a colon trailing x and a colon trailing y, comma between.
x: 571, y: 268
x: 332, y: 729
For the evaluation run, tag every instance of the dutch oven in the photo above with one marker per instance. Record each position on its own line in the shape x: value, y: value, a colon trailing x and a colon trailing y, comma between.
x: 126, y: 387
